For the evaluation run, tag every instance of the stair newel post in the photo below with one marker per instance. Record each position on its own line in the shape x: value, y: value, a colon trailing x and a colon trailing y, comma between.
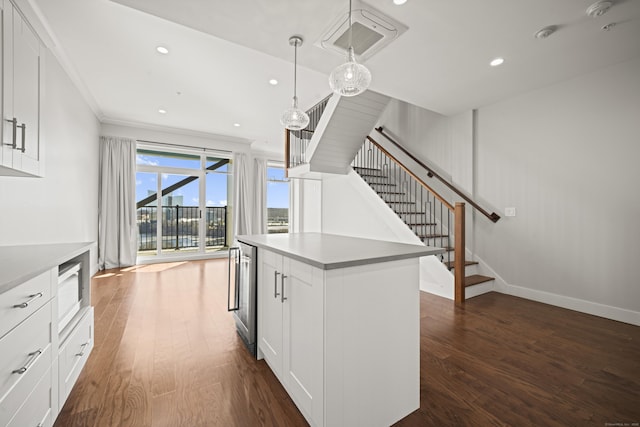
x: 459, y: 246
x: 287, y: 153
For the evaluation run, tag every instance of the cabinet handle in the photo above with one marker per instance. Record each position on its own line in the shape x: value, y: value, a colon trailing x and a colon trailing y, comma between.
x: 15, y: 131
x: 275, y: 285
x: 82, y: 347
x: 24, y: 136
x: 33, y: 357
x: 282, y: 297
x: 31, y: 299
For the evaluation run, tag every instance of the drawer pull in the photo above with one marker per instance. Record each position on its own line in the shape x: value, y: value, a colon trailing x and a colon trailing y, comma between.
x: 31, y: 299
x: 82, y: 347
x: 34, y: 357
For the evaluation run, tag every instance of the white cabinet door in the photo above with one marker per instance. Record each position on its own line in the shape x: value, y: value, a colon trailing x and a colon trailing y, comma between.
x: 21, y: 150
x: 270, y: 309
x: 303, y: 337
x: 9, y: 132
x: 290, y: 329
x: 26, y: 99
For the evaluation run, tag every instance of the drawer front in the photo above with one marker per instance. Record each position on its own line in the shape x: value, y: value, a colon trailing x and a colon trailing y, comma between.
x: 269, y: 257
x: 74, y: 353
x: 20, y: 302
x: 300, y: 270
x: 26, y: 357
x: 37, y: 409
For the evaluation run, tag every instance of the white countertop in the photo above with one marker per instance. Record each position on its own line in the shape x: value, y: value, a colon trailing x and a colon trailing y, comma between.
x: 330, y: 251
x: 21, y: 263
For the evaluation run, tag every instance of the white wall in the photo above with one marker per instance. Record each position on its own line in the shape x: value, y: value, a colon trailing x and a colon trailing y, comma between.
x: 566, y: 157
x: 351, y: 208
x: 305, y: 213
x: 441, y: 142
x: 62, y: 206
x: 157, y: 134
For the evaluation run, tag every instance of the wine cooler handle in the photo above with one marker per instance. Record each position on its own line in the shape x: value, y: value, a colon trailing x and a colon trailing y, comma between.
x: 237, y: 278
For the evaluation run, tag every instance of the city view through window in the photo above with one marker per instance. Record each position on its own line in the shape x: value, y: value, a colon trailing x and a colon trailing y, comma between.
x: 277, y: 201
x: 193, y: 213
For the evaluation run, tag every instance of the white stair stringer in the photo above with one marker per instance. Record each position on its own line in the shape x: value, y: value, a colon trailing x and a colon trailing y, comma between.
x: 343, y: 126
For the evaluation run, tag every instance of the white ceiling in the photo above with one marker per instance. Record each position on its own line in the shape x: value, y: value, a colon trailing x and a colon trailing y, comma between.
x: 222, y: 54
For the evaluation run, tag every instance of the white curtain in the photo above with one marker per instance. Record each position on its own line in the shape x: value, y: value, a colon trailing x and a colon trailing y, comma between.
x: 242, y: 195
x: 117, y: 207
x: 260, y: 196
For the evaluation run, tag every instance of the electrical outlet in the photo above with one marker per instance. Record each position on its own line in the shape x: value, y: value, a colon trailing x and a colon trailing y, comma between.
x: 509, y: 211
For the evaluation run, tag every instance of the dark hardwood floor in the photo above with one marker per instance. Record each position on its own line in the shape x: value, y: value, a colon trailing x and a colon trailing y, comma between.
x: 166, y: 354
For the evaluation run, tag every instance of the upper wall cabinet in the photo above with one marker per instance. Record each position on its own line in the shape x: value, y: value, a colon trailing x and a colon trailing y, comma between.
x: 22, y: 150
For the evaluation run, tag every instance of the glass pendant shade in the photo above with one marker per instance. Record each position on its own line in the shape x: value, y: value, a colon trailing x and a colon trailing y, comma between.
x: 350, y: 78
x: 294, y: 118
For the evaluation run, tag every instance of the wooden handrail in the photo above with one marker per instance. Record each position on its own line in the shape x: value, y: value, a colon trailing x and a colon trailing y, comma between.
x: 492, y: 216
x: 414, y: 176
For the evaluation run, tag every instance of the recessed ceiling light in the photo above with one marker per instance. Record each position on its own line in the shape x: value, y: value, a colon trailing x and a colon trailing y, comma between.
x: 162, y: 111
x: 273, y: 82
x: 497, y: 61
x: 237, y: 125
x: 163, y: 50
x: 399, y: 2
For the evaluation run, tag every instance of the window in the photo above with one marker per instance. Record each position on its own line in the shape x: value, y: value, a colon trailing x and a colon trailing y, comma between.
x: 277, y: 200
x: 191, y: 213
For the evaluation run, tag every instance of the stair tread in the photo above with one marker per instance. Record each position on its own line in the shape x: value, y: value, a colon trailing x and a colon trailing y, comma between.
x: 476, y: 279
x: 390, y: 192
x: 366, y: 169
x: 420, y: 224
x: 382, y: 183
x: 400, y: 203
x: 432, y: 236
x: 450, y: 264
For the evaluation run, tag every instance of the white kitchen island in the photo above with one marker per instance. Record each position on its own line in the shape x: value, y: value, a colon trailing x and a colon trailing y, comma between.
x: 339, y: 324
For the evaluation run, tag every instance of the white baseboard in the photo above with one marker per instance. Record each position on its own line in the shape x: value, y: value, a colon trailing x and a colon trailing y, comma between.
x: 583, y: 306
x: 223, y: 253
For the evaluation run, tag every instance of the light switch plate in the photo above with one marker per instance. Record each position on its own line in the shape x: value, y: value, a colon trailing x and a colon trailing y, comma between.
x: 509, y: 211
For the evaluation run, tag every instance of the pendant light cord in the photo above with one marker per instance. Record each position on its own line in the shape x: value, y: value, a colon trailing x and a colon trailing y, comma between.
x: 350, y: 27
x: 295, y: 69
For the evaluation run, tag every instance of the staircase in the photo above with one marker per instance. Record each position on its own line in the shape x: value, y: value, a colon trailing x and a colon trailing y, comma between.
x: 334, y: 134
x: 428, y: 215
x: 332, y: 143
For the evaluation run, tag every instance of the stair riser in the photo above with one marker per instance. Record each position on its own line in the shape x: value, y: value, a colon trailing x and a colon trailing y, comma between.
x: 437, y: 242
x: 378, y: 180
x: 367, y: 175
x: 413, y: 218
x: 394, y: 197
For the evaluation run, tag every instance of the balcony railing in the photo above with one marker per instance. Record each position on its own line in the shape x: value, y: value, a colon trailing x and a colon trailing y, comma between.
x: 180, y: 227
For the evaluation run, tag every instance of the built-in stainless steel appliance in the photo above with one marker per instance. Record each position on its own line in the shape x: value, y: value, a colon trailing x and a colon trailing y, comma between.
x: 242, y: 292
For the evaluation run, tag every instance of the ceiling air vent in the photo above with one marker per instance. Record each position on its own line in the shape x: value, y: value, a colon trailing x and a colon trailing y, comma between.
x: 372, y: 31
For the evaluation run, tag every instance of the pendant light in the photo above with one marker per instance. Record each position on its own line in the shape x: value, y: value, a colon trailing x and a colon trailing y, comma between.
x: 350, y: 78
x: 294, y: 118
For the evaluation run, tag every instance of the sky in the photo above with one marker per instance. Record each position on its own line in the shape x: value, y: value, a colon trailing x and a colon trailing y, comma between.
x: 215, y: 187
